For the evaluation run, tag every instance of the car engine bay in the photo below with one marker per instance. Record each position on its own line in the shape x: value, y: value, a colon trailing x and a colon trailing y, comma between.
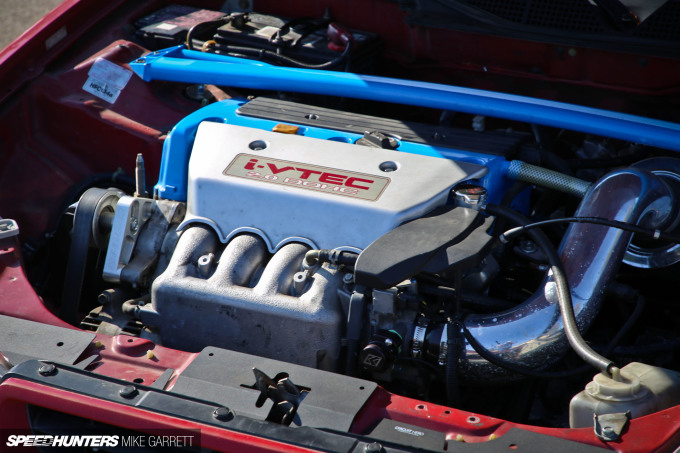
x: 450, y: 256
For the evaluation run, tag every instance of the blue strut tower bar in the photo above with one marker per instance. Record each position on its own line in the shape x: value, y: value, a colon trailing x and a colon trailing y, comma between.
x: 177, y: 64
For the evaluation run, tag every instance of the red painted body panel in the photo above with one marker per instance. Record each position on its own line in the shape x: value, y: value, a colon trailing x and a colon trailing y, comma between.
x: 54, y: 135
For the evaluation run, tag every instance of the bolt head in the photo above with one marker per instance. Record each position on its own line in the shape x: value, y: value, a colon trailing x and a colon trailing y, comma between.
x: 47, y: 369
x: 374, y: 447
x: 129, y: 391
x: 528, y: 246
x: 223, y: 414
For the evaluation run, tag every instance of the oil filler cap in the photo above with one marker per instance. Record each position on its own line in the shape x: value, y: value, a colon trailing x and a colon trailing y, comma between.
x: 470, y: 195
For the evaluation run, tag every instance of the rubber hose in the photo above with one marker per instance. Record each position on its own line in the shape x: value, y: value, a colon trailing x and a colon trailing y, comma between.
x: 261, y: 53
x: 521, y: 171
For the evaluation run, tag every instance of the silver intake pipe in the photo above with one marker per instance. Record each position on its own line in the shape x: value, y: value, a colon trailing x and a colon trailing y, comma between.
x: 532, y: 334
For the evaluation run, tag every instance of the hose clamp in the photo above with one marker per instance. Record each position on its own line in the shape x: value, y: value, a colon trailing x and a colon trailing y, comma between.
x: 419, y: 337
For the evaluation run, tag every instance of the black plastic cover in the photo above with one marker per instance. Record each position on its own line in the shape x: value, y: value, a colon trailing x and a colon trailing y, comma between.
x: 500, y: 143
x: 391, y: 436
x: 169, y: 26
x: 22, y: 340
x: 226, y: 377
x: 467, y: 253
x: 404, y: 251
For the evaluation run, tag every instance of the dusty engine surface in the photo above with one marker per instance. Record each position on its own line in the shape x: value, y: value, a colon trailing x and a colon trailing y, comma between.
x: 257, y: 202
x: 374, y: 255
x: 241, y: 297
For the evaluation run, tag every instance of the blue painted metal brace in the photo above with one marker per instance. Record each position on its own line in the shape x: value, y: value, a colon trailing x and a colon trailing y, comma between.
x: 177, y: 64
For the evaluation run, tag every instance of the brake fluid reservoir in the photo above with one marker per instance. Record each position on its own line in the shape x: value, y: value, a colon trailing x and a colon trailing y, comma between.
x: 642, y: 390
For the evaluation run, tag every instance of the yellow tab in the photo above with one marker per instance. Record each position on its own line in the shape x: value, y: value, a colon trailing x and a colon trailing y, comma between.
x: 286, y: 129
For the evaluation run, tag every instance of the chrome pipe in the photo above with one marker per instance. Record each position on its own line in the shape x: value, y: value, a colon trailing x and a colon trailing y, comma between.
x: 532, y: 334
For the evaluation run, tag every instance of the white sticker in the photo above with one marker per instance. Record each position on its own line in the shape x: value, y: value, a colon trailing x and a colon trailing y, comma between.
x: 101, y: 90
x: 110, y: 73
x: 166, y: 26
x: 409, y: 431
x: 267, y: 31
x: 106, y: 80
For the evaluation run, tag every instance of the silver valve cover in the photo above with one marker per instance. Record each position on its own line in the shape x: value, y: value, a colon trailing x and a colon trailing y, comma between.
x: 326, y: 194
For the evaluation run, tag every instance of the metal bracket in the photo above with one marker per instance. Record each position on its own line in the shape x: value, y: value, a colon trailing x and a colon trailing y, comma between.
x: 8, y: 228
x: 609, y: 427
x: 281, y: 390
x: 132, y: 213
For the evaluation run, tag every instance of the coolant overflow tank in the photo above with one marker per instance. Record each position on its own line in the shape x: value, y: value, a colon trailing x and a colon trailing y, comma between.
x: 643, y: 390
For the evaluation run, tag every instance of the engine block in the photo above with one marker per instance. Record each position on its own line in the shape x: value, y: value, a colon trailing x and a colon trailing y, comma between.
x: 270, y: 198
